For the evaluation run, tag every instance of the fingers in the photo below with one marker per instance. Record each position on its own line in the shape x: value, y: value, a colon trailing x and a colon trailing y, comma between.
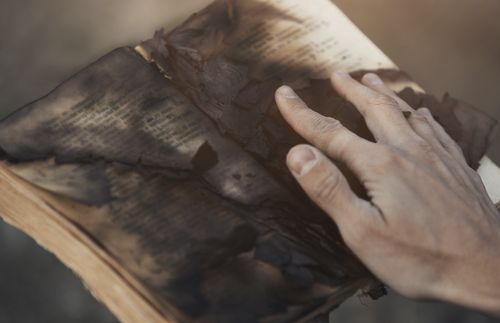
x: 374, y: 82
x: 438, y: 155
x: 422, y: 127
x: 327, y: 134
x: 382, y: 112
x: 422, y: 122
x: 431, y: 131
x: 326, y: 185
x: 446, y: 141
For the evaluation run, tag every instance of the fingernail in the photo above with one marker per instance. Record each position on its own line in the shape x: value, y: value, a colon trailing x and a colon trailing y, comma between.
x: 373, y: 79
x: 341, y: 74
x: 301, y: 160
x: 287, y: 92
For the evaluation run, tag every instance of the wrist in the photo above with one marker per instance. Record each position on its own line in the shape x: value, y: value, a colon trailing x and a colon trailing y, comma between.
x: 474, y: 282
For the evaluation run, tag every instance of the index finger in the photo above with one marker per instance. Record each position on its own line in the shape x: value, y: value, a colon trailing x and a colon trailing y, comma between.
x: 328, y: 134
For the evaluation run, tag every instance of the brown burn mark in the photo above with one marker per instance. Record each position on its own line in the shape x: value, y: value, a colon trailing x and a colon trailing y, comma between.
x: 208, y: 32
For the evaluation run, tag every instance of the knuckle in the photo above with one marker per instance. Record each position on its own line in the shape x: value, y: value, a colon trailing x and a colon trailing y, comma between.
x: 327, y: 187
x: 422, y: 146
x: 424, y: 112
x: 417, y: 118
x: 383, y: 101
x: 391, y: 157
x: 426, y: 150
x: 326, y: 125
x: 327, y: 129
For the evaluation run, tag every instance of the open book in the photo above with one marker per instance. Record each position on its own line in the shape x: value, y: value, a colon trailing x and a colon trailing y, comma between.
x: 158, y: 172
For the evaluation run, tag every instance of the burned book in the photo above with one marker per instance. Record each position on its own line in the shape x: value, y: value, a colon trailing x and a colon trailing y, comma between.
x: 158, y: 172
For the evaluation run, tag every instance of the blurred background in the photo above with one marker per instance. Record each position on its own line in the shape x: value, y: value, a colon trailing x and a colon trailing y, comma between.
x: 447, y: 46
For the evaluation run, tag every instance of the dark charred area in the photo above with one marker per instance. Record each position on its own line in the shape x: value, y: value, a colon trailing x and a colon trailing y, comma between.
x: 205, y: 159
x: 202, y: 60
x: 92, y: 140
x: 70, y: 133
x: 245, y: 109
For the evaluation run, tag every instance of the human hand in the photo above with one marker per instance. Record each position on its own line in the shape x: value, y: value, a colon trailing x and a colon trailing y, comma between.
x: 429, y: 229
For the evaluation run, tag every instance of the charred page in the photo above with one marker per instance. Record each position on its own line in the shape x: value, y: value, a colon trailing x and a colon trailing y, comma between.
x: 197, y: 219
x: 230, y: 57
x: 177, y: 168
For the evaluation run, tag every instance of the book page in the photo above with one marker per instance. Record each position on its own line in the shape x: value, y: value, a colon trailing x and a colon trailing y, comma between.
x: 228, y: 59
x: 291, y: 39
x: 277, y: 41
x: 315, y: 35
x: 180, y: 206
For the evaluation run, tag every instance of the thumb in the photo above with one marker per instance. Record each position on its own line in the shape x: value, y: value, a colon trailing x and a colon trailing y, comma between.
x: 325, y: 184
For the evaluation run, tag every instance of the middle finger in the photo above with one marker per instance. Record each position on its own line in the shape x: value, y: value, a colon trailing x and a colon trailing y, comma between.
x: 382, y: 113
